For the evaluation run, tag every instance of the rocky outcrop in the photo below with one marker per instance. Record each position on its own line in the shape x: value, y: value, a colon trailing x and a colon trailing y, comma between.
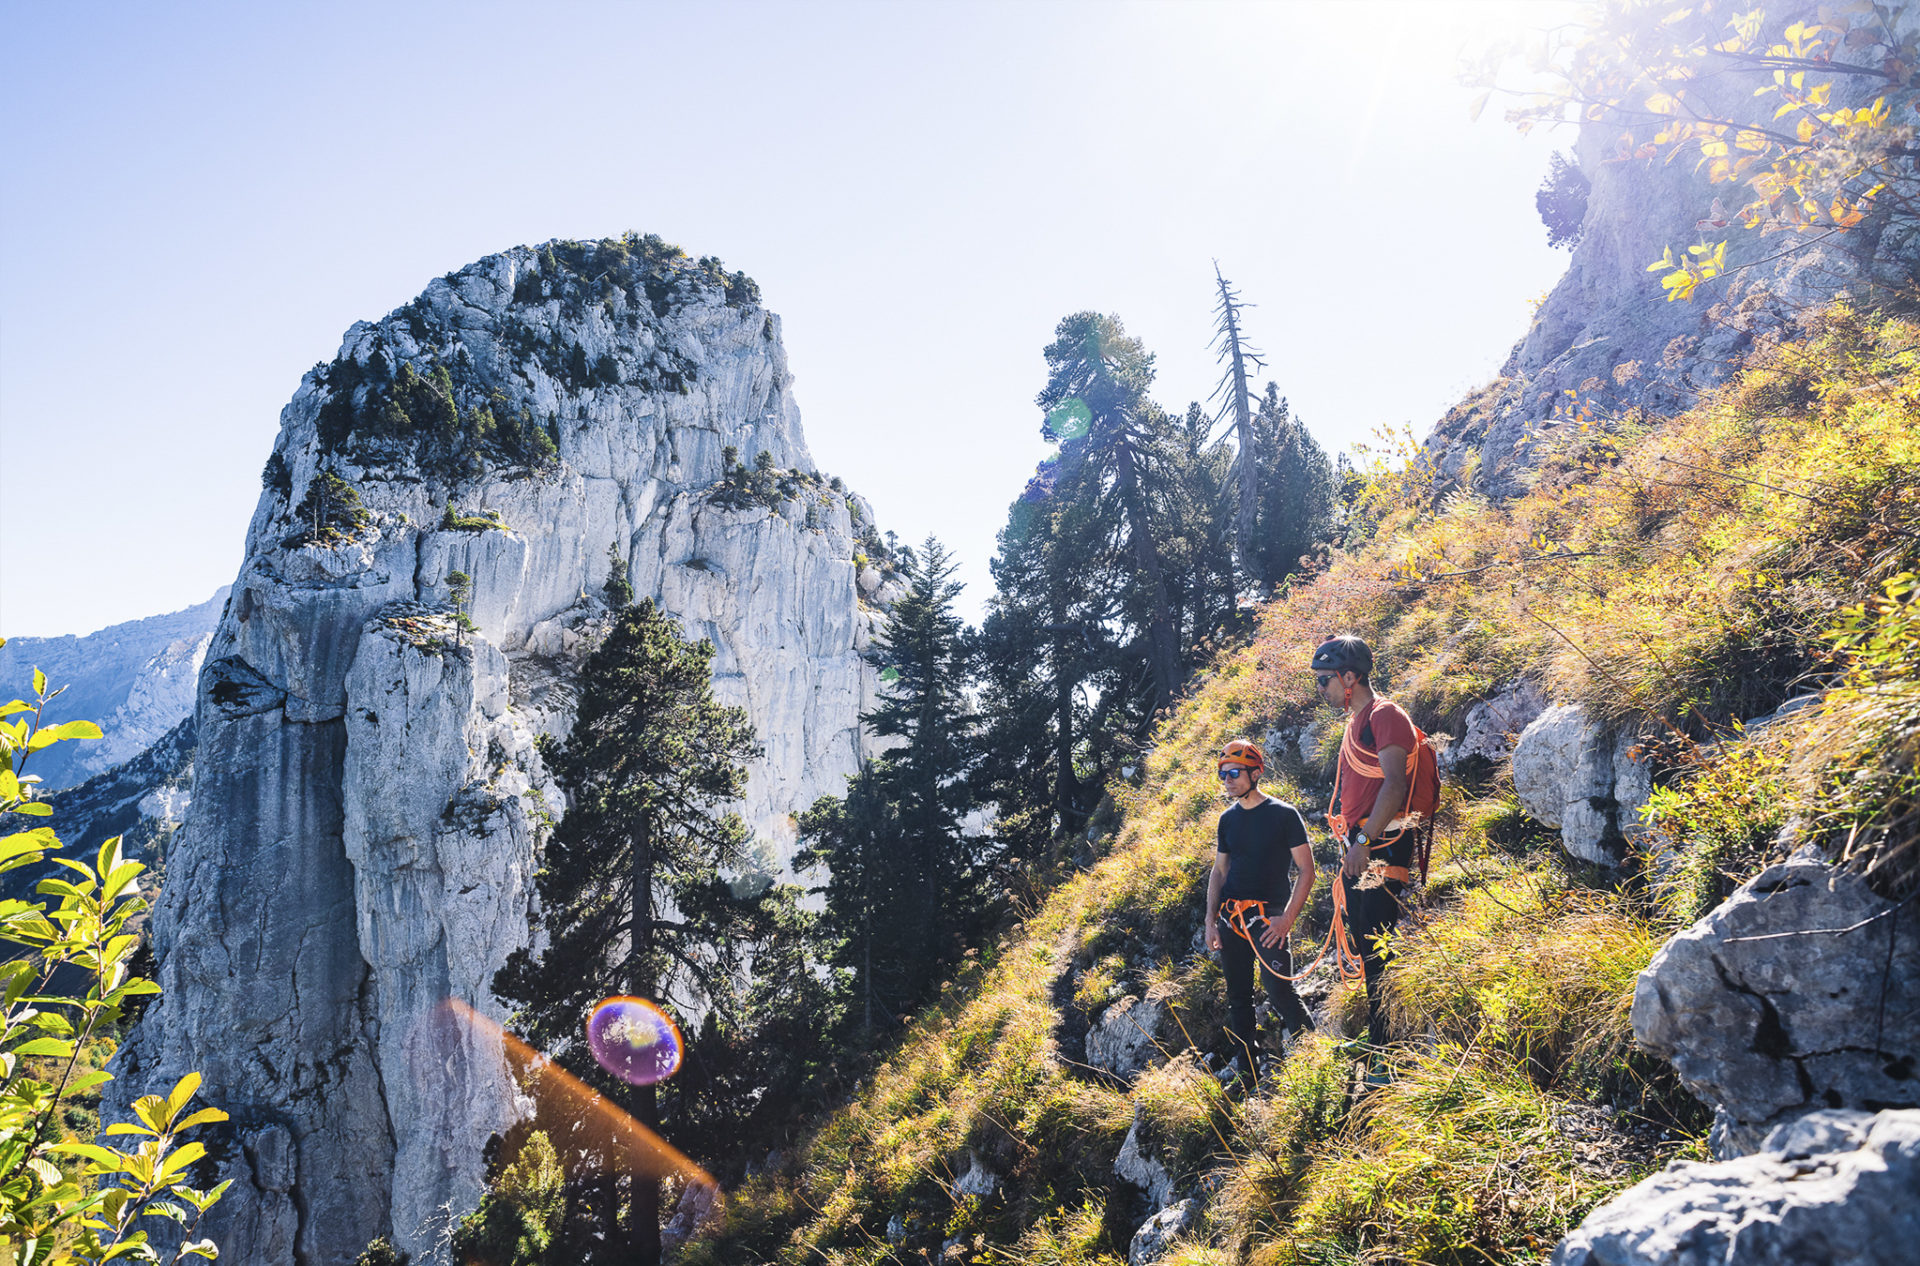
x: 1604, y: 332
x: 1577, y: 775
x: 1494, y: 725
x: 1134, y: 1164
x: 1801, y: 991
x: 136, y: 680
x: 1127, y: 1036
x: 1835, y: 1188
x: 368, y: 799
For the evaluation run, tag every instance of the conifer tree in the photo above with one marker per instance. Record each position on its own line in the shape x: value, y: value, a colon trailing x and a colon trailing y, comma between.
x: 631, y: 890
x: 1115, y: 466
x: 1299, y: 496
x: 906, y: 886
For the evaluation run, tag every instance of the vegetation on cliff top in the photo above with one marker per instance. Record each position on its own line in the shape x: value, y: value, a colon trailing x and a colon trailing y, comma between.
x: 1675, y: 575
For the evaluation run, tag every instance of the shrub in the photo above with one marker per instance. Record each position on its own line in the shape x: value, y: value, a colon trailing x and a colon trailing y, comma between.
x: 330, y: 513
x: 1562, y: 201
x: 79, y: 1201
x: 520, y: 1215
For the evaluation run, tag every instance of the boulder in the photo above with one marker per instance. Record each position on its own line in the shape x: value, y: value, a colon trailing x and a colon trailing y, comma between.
x: 1574, y: 773
x: 1836, y: 1188
x: 1495, y: 723
x: 1800, y: 992
x: 1156, y: 1235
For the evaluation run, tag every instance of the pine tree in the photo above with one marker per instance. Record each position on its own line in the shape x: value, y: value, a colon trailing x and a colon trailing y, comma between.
x: 631, y: 890
x: 907, y: 886
x: 1299, y: 495
x: 618, y: 588
x: 1115, y: 467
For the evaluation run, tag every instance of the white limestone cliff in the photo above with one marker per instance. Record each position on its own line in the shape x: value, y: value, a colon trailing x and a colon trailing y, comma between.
x: 368, y: 801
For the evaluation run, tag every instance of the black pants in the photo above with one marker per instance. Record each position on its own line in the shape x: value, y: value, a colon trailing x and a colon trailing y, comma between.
x: 1371, y: 911
x: 1237, y: 961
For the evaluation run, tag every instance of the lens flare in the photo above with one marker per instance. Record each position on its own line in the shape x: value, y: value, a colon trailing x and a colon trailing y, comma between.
x: 634, y: 1040
x: 1070, y: 419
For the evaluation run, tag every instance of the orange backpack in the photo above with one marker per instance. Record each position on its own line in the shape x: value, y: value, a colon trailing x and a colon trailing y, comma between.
x: 1423, y: 789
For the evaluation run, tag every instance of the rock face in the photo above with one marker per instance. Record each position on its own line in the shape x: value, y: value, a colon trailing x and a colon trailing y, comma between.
x: 368, y: 802
x: 1801, y: 991
x: 1604, y: 332
x: 1834, y: 1187
x: 1576, y: 775
x: 136, y: 680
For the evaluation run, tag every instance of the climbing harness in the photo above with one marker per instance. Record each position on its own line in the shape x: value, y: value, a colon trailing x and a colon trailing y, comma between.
x: 1241, y: 916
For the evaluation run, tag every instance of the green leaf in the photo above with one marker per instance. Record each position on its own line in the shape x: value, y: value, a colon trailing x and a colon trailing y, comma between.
x: 39, y: 682
x: 46, y: 1171
x: 181, y: 1158
x: 44, y: 1046
x: 206, y: 1116
x: 182, y: 1092
x: 34, y: 808
x: 106, y: 1158
x: 126, y: 1127
x: 87, y: 1081
x: 118, y: 878
x: 68, y: 730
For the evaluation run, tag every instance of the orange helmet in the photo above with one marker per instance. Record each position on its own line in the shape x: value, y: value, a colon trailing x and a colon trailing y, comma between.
x: 1243, y: 753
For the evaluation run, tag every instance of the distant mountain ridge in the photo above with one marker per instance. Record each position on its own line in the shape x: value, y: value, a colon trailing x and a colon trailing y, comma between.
x: 136, y: 679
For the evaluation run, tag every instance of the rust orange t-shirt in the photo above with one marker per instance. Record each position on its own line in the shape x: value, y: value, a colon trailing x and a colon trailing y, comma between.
x: 1381, y: 726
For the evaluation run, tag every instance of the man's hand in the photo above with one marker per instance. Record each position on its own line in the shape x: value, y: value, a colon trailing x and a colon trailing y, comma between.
x: 1355, y: 862
x: 1277, y: 930
x: 1213, y: 934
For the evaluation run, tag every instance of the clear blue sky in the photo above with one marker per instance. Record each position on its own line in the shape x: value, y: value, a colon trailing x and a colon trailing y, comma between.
x: 199, y: 199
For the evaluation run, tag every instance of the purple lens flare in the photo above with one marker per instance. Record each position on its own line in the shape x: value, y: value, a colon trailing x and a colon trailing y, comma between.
x: 635, y: 1040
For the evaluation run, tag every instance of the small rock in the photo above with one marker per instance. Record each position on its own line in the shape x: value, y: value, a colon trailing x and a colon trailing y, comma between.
x: 978, y: 1180
x: 1157, y: 1233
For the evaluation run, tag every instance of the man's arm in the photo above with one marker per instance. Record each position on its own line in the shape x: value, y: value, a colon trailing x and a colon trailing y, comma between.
x: 1277, y: 929
x: 1393, y: 796
x: 1214, y: 881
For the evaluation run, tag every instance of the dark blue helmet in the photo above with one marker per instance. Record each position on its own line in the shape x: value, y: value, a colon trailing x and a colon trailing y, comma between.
x: 1344, y: 654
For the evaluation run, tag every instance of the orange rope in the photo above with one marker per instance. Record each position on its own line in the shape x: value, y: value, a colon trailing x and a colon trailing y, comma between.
x: 1339, y: 941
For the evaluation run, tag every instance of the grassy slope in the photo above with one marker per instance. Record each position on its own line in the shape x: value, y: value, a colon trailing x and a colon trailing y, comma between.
x: 1675, y: 575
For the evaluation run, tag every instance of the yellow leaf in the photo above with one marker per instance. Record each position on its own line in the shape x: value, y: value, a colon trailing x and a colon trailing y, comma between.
x: 1805, y: 130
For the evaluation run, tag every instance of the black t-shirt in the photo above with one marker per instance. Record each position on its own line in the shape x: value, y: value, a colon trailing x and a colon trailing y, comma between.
x: 1258, y: 843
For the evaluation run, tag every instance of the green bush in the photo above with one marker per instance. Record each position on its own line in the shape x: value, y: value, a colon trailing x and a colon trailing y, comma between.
x: 67, y: 1202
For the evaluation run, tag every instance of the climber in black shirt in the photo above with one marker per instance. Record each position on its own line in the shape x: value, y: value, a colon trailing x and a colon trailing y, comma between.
x: 1251, y: 905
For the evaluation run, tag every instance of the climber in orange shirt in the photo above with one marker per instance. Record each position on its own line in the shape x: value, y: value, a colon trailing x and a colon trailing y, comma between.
x: 1370, y: 789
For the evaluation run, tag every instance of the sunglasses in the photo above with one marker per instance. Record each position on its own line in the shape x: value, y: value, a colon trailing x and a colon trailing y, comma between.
x: 1321, y: 679
x: 1230, y: 773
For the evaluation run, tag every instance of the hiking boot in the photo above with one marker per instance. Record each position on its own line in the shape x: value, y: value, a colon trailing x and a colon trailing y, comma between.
x: 1378, y: 1074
